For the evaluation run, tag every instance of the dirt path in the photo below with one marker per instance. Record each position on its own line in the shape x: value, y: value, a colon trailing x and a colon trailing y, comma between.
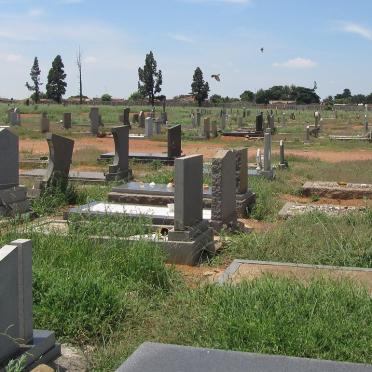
x: 208, y: 149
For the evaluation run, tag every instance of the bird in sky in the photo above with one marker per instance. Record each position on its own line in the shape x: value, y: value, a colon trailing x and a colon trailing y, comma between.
x: 216, y: 76
x: 262, y: 50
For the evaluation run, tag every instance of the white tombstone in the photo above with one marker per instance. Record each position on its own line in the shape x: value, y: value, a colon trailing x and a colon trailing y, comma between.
x: 149, y: 127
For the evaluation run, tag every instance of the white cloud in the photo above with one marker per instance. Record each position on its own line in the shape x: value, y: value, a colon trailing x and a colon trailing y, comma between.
x: 296, y: 63
x: 180, y: 37
x: 35, y: 12
x: 355, y: 28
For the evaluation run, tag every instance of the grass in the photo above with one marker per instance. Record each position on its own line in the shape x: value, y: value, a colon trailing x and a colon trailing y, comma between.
x: 311, y: 239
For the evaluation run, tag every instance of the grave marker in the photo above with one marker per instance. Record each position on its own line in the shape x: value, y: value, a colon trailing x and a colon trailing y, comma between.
x: 149, y: 127
x: 95, y: 120
x: 67, y: 121
x: 174, y: 141
x: 141, y: 119
x: 44, y: 123
x: 207, y: 128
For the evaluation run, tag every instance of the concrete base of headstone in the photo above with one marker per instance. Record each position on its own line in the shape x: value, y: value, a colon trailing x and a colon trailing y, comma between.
x: 114, y: 174
x: 154, y: 357
x: 270, y: 175
x: 13, y: 201
x: 187, y: 247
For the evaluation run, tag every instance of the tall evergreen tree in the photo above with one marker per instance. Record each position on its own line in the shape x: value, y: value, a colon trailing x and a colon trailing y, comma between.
x: 199, y: 87
x: 150, y: 79
x: 35, y: 77
x: 56, y: 86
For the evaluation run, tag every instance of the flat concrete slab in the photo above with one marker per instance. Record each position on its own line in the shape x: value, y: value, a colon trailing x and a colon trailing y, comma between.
x: 158, y: 214
x: 294, y: 209
x: 241, y: 270
x: 141, y: 156
x: 154, y: 357
x: 338, y: 190
x: 73, y: 175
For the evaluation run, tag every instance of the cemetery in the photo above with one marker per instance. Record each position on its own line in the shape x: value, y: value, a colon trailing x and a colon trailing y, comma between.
x: 206, y: 206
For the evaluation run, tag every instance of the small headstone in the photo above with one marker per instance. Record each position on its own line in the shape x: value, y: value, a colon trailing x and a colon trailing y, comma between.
x: 307, y: 134
x: 198, y: 119
x: 158, y: 124
x: 67, y: 121
x: 259, y: 122
x: 207, y: 128
x: 365, y: 123
x: 95, y: 120
x: 214, y: 129
x: 174, y: 141
x: 9, y: 165
x: 60, y: 158
x: 149, y: 127
x: 282, y: 162
x: 267, y: 152
x: 141, y: 119
x: 126, y: 113
x: 44, y: 123
x: 14, y: 117
x: 241, y: 170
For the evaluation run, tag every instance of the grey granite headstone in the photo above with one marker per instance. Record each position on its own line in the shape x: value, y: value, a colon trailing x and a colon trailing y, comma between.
x: 154, y: 357
x: 174, y: 141
x: 95, y: 120
x: 119, y: 170
x: 67, y: 120
x: 141, y: 119
x: 9, y: 164
x: 44, y: 123
x: 188, y: 196
x: 60, y: 158
x: 224, y: 189
x: 259, y: 122
x: 149, y: 127
x: 241, y: 170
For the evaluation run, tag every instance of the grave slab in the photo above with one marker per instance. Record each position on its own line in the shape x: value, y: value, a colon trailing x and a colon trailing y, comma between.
x: 154, y: 357
x: 337, y: 190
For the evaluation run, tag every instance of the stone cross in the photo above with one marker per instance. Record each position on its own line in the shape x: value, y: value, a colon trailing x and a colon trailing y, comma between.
x: 67, y: 120
x: 224, y: 189
x: 60, y: 158
x: 9, y: 165
x: 149, y: 127
x: 188, y: 195
x: 44, y: 123
x: 119, y: 170
x: 174, y: 142
x: 95, y: 120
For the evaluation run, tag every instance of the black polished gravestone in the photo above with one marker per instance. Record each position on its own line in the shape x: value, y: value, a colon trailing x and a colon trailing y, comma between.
x: 258, y: 131
x: 119, y: 170
x: 60, y: 158
x: 155, y: 357
x: 173, y: 152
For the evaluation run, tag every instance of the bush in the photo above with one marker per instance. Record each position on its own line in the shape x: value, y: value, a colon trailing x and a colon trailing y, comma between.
x: 106, y: 98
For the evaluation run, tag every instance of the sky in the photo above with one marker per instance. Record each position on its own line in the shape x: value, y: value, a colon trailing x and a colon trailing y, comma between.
x: 327, y: 41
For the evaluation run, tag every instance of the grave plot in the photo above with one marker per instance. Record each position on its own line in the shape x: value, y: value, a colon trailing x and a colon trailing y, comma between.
x: 337, y: 190
x: 294, y: 209
x: 174, y: 149
x: 17, y: 336
x: 241, y: 270
x: 156, y: 357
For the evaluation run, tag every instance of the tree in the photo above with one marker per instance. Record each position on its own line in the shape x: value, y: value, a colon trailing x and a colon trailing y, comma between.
x: 199, y: 87
x: 106, y: 98
x: 35, y: 77
x: 56, y: 86
x: 150, y: 79
x: 216, y: 99
x: 247, y: 96
x: 79, y: 65
x: 135, y: 96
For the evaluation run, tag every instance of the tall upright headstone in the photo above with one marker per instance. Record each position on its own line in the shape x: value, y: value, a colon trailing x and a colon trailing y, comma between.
x: 224, y: 190
x: 174, y: 142
x: 126, y: 113
x: 149, y: 127
x: 60, y: 158
x: 95, y: 120
x: 141, y: 119
x: 207, y: 128
x: 259, y: 122
x: 119, y: 170
x: 67, y: 120
x: 44, y: 123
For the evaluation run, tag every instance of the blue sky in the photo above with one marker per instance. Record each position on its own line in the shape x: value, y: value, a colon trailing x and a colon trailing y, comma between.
x: 328, y: 41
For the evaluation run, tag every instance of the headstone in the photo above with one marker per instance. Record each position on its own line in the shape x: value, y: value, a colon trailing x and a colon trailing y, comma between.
x: 149, y: 127
x: 174, y: 141
x: 198, y: 119
x: 126, y: 113
x: 259, y: 122
x: 60, y: 158
x: 223, y: 121
x: 282, y: 162
x: 214, y: 129
x: 207, y: 128
x: 307, y: 134
x: 188, y: 196
x: 95, y: 120
x: 67, y: 120
x: 317, y: 118
x: 267, y: 152
x: 135, y: 118
x: 14, y: 117
x: 241, y: 170
x: 365, y: 123
x: 141, y: 119
x: 158, y: 124
x: 119, y: 170
x: 9, y: 165
x: 284, y: 119
x: 193, y: 120
x: 224, y: 190
x: 44, y: 123
x: 163, y: 117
